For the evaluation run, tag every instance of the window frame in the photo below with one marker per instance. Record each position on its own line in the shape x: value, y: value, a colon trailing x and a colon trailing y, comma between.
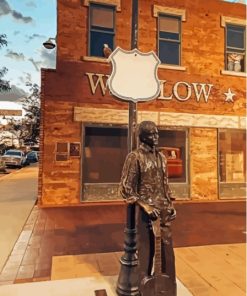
x: 180, y: 19
x: 90, y: 11
x: 229, y: 49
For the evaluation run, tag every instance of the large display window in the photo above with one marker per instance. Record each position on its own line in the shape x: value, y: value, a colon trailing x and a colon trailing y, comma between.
x: 232, y: 163
x: 105, y: 150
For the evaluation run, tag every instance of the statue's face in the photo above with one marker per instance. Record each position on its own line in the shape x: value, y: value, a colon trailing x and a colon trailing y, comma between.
x: 151, y: 137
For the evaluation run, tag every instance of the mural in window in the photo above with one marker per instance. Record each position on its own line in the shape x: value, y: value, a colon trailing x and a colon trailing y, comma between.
x: 173, y: 144
x: 169, y: 39
x: 102, y: 29
x: 105, y: 153
x: 232, y: 156
x: 235, y: 48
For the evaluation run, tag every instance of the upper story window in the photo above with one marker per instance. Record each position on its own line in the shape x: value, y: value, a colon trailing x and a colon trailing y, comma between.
x: 101, y: 28
x: 169, y: 39
x: 235, y: 48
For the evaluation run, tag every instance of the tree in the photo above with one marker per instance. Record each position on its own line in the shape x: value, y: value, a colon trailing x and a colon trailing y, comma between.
x: 4, y: 84
x: 27, y: 129
x: 31, y: 105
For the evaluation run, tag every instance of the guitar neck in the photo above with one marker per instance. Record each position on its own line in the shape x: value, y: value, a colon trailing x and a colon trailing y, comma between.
x: 158, y: 258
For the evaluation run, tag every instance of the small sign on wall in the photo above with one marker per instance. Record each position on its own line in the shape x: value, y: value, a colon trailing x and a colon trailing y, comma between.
x: 62, y: 151
x: 65, y: 150
x: 75, y: 149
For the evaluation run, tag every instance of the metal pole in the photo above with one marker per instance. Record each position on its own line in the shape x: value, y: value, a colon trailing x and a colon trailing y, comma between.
x: 128, y: 277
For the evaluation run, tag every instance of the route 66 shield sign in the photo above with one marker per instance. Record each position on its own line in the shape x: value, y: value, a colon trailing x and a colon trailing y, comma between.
x: 134, y: 75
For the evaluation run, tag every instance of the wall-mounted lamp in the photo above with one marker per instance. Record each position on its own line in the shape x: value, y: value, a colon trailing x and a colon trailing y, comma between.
x: 49, y: 44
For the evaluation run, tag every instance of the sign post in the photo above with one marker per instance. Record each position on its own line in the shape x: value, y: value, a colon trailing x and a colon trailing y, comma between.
x: 133, y: 79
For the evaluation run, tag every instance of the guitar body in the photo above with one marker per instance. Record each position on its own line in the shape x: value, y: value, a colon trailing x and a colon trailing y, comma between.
x: 159, y: 285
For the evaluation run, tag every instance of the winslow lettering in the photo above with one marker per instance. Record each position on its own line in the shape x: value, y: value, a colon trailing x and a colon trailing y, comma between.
x: 201, y: 90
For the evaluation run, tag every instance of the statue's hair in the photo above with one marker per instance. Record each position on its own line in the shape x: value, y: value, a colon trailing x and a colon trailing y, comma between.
x: 145, y: 127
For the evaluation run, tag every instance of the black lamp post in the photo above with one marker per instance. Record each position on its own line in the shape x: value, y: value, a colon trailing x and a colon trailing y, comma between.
x: 127, y: 284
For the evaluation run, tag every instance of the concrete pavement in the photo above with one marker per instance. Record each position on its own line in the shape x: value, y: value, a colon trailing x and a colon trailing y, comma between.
x: 61, y: 245
x: 18, y: 193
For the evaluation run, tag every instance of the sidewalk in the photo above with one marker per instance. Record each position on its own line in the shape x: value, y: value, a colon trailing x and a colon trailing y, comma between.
x: 60, y: 244
x: 18, y: 192
x: 207, y: 270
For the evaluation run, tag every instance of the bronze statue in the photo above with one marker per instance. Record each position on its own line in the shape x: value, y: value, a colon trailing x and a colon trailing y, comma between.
x: 145, y: 181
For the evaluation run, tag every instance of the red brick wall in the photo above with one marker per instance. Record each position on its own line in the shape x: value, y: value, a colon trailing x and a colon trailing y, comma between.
x: 68, y: 86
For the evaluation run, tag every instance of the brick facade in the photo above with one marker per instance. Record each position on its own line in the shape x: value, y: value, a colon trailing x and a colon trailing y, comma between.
x: 68, y: 87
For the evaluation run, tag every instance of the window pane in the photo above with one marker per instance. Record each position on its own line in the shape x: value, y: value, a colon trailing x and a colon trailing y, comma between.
x: 105, y: 153
x: 169, y: 52
x: 168, y: 24
x: 232, y: 156
x: 102, y: 17
x: 167, y: 35
x: 173, y: 144
x: 235, y: 37
x: 97, y: 43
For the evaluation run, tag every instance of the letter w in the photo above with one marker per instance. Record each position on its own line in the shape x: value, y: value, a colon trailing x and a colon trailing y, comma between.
x: 99, y: 81
x: 202, y: 90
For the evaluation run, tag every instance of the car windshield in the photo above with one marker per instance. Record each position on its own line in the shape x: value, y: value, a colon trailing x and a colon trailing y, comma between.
x: 31, y: 153
x: 15, y: 153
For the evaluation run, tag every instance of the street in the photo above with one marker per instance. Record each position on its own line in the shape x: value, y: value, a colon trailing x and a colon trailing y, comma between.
x: 15, y: 205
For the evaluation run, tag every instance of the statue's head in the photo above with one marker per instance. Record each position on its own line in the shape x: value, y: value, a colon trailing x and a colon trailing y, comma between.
x: 148, y: 133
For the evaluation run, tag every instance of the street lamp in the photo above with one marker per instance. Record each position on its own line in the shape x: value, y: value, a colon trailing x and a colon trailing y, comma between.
x: 49, y: 44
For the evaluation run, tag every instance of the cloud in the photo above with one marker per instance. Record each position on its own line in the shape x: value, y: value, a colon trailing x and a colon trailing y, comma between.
x: 18, y: 16
x: 16, y: 32
x: 36, y: 64
x: 26, y: 78
x: 14, y: 55
x: 31, y: 4
x: 31, y: 37
x: 5, y: 9
x: 48, y: 58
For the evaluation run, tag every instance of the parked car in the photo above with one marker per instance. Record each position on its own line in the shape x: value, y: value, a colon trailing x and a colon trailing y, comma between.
x: 32, y: 156
x: 15, y: 158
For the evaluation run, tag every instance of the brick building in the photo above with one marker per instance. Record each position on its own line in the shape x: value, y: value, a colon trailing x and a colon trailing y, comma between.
x: 200, y: 111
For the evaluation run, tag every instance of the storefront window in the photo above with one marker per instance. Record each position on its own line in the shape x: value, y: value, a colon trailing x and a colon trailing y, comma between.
x: 105, y: 152
x: 232, y: 162
x: 173, y: 143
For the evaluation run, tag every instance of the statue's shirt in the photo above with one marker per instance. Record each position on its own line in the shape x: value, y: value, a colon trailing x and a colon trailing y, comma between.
x: 145, y: 176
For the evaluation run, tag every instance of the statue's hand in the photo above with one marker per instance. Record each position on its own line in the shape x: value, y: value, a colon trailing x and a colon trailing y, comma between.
x: 172, y: 214
x: 131, y: 199
x: 154, y: 214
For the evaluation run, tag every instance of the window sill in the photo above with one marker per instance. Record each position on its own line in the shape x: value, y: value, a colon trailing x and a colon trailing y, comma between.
x: 172, y: 67
x: 94, y: 59
x: 233, y: 73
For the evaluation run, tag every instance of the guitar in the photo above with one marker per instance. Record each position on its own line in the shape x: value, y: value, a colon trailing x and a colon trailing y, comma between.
x: 159, y: 284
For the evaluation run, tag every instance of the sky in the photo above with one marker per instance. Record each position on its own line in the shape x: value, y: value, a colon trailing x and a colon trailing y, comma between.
x: 27, y: 24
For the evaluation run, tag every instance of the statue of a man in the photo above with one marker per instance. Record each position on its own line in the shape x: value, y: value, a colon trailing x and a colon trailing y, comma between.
x: 145, y: 181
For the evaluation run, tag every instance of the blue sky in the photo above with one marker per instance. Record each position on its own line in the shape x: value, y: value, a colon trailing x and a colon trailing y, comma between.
x: 27, y: 24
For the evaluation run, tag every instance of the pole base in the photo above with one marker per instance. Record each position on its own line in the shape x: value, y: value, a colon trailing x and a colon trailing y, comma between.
x: 128, y: 281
